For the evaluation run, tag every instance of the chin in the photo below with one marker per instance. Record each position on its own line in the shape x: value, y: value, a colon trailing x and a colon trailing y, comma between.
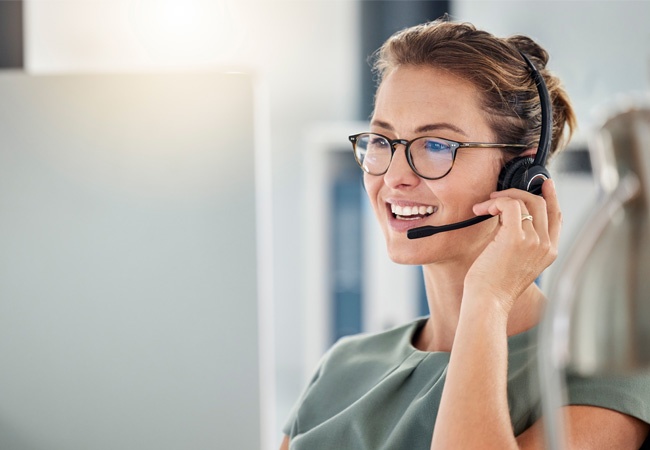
x: 442, y: 247
x: 413, y: 256
x: 408, y: 261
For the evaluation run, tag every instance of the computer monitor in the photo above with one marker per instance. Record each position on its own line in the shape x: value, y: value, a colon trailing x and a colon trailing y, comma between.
x: 128, y: 279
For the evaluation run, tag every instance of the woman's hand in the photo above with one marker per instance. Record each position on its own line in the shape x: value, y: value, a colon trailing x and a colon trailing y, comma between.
x: 520, y: 248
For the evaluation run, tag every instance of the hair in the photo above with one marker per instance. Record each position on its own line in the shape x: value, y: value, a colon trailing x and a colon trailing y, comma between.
x: 495, y: 66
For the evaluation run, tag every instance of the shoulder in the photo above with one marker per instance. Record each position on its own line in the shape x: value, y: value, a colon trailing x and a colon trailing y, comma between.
x: 592, y: 427
x: 393, y: 342
x: 628, y: 394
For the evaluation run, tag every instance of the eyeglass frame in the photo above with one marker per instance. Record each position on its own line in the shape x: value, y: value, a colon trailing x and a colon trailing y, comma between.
x: 454, y: 146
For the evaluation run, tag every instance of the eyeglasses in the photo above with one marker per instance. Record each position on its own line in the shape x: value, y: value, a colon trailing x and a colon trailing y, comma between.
x: 429, y: 157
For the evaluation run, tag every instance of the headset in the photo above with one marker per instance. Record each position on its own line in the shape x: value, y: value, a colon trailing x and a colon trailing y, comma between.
x: 524, y: 172
x: 521, y: 172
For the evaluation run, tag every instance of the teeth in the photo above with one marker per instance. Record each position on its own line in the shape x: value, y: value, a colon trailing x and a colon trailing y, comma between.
x: 406, y: 211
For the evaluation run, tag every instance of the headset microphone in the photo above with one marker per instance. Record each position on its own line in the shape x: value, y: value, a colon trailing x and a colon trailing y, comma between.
x: 523, y: 172
x: 420, y: 232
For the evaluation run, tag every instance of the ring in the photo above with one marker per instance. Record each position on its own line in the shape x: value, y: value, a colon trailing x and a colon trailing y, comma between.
x: 526, y: 217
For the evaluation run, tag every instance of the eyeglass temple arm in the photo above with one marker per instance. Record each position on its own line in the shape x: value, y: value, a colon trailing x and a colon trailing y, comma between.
x: 484, y: 145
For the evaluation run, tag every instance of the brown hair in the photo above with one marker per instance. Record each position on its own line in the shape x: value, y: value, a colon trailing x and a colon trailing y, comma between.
x: 495, y: 66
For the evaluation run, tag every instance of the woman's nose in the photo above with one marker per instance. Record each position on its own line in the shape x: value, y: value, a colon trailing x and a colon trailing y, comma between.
x: 399, y: 173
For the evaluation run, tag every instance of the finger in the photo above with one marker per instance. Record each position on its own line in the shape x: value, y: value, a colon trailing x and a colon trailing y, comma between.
x: 494, y: 206
x: 527, y: 221
x: 553, y: 211
x: 534, y: 205
x: 509, y: 209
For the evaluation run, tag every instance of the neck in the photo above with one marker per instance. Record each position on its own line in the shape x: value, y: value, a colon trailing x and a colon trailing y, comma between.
x: 444, y: 288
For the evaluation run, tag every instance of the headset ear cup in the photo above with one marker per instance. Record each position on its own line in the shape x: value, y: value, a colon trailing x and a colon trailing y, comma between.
x: 534, y: 179
x: 513, y: 173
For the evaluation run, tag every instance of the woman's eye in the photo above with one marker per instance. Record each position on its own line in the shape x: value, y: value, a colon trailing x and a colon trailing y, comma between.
x: 378, y: 142
x: 436, y: 146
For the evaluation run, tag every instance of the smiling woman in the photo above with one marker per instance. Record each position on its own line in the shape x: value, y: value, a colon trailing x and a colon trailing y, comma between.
x: 454, y: 106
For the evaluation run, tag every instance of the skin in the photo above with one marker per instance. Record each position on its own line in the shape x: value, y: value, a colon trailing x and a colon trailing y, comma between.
x: 479, y: 279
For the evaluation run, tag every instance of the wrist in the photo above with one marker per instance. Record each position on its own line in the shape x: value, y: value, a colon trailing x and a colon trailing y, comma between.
x: 493, y: 308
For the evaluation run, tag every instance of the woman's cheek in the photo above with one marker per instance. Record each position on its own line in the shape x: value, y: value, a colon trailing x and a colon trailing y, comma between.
x: 372, y: 185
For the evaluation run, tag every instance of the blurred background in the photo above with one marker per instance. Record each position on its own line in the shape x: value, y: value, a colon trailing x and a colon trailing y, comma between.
x: 184, y: 229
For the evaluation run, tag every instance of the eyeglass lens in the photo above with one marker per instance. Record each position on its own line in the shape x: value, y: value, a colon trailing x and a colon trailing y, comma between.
x: 430, y: 157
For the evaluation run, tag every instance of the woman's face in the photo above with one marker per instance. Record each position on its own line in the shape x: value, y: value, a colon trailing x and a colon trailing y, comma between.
x: 423, y: 101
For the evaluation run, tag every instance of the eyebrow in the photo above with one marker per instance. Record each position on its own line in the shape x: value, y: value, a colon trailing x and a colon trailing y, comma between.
x: 424, y: 128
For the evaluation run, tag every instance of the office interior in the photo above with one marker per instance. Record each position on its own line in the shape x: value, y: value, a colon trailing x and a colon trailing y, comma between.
x: 184, y: 227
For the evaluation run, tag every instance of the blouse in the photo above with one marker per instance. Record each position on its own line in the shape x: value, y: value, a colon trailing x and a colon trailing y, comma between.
x: 377, y: 391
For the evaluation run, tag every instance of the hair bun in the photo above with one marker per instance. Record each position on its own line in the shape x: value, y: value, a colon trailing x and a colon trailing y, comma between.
x: 526, y: 45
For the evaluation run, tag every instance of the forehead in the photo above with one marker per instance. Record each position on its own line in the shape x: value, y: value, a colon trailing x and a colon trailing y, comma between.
x: 412, y: 97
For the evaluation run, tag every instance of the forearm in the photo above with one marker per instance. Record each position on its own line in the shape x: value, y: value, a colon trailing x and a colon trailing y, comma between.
x: 474, y: 406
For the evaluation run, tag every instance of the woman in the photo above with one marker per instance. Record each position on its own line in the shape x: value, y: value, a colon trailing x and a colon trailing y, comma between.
x: 464, y: 377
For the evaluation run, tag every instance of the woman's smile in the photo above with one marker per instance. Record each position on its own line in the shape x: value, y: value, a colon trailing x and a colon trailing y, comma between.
x: 404, y: 215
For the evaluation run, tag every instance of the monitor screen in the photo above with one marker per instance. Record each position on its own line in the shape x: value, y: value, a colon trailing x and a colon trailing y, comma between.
x: 128, y: 283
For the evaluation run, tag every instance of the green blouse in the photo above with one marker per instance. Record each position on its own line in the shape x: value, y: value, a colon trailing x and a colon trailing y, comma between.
x: 379, y: 392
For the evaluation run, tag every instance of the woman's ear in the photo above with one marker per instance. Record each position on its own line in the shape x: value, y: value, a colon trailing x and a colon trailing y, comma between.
x: 529, y: 152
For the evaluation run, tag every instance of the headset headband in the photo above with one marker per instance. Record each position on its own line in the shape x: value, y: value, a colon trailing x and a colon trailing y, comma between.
x: 544, y: 146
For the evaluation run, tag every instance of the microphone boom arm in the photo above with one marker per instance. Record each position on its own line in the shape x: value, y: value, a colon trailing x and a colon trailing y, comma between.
x: 420, y: 232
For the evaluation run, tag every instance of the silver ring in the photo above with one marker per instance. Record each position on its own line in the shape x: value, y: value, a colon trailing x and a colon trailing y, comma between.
x: 526, y: 217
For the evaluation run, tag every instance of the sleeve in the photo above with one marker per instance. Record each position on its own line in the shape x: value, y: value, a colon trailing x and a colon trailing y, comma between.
x: 628, y: 394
